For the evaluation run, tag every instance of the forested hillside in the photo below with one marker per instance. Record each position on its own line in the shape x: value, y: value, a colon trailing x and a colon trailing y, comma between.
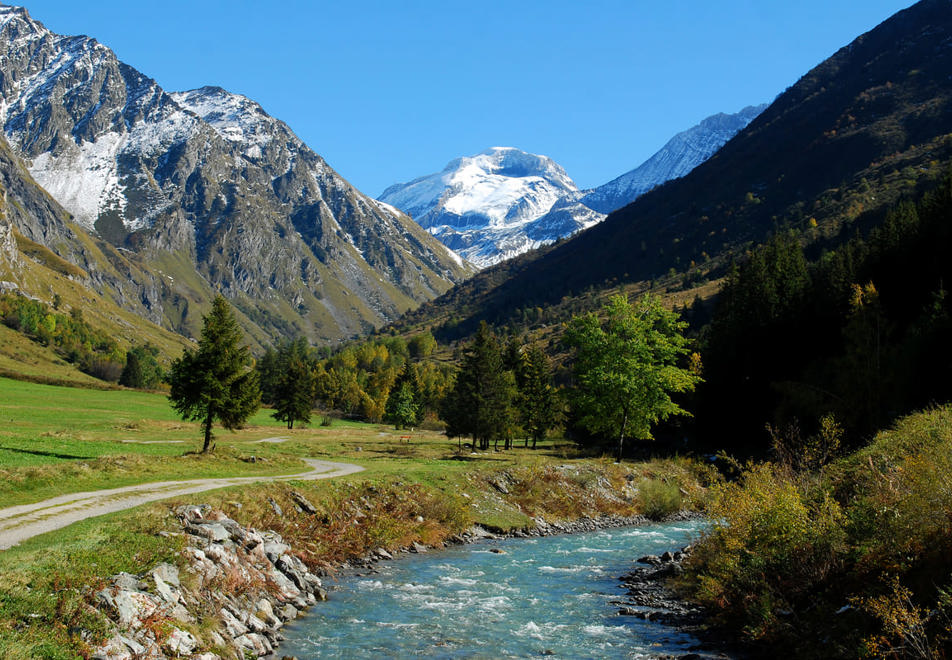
x: 860, y: 331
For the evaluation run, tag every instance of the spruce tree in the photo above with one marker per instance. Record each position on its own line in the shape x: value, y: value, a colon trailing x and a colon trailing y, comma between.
x: 481, y: 401
x: 215, y: 382
x: 404, y: 407
x: 538, y: 401
x: 293, y: 383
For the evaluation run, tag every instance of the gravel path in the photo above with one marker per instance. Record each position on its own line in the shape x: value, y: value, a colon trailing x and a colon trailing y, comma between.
x: 18, y: 523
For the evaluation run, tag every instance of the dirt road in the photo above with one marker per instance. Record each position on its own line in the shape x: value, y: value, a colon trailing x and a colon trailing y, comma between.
x: 18, y: 523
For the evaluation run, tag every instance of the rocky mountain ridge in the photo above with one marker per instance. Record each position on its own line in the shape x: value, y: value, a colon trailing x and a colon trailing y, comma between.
x: 867, y: 127
x: 205, y: 192
x: 676, y: 158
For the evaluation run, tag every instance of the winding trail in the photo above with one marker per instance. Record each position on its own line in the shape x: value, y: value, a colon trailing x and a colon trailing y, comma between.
x: 18, y: 523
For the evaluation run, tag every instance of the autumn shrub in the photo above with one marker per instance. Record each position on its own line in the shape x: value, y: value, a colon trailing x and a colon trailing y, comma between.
x: 854, y: 552
x: 659, y: 498
x: 769, y: 545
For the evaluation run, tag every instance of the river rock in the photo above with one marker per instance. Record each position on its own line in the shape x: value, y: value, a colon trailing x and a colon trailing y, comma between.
x: 288, y: 612
x: 275, y: 550
x: 192, y: 512
x: 257, y: 644
x: 250, y: 578
x: 167, y: 573
x: 302, y: 502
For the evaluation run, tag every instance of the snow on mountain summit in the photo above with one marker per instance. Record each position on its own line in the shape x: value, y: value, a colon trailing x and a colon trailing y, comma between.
x: 234, y: 117
x: 245, y: 207
x: 676, y: 158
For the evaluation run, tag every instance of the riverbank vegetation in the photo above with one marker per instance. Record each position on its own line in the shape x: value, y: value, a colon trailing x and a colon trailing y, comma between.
x: 849, y: 559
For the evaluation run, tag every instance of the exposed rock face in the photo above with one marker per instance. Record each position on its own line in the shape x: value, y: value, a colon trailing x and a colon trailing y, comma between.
x: 248, y: 581
x: 210, y: 191
x: 9, y: 256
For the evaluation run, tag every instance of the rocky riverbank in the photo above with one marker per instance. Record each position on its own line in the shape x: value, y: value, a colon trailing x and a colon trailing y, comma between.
x: 238, y: 587
x: 650, y: 597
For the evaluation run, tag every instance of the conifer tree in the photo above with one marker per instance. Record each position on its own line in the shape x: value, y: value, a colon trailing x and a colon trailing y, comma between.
x: 538, y: 401
x: 215, y: 382
x: 404, y: 407
x: 293, y: 383
x: 481, y: 401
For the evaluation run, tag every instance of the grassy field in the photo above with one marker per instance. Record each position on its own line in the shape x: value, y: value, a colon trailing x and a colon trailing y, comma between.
x: 55, y: 440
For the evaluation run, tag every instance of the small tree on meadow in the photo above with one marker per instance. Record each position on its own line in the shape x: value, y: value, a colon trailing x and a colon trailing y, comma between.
x: 404, y: 408
x: 538, y: 400
x: 216, y: 381
x: 293, y: 383
x: 626, y: 368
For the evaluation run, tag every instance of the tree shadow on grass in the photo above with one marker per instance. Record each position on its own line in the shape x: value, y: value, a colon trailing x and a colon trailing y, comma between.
x: 51, y: 454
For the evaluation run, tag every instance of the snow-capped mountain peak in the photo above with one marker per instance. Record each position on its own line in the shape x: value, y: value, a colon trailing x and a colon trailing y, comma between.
x: 209, y: 177
x: 234, y: 117
x: 484, y: 206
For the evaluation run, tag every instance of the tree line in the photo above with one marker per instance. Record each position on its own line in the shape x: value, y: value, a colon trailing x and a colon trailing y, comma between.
x: 627, y: 366
x: 93, y: 351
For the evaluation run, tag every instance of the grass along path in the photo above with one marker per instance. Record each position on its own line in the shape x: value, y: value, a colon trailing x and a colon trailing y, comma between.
x: 19, y: 523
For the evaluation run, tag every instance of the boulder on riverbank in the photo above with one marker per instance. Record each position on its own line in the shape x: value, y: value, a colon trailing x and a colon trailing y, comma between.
x: 246, y: 584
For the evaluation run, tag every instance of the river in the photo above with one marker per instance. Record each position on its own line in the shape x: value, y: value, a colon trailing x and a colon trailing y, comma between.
x: 544, y: 596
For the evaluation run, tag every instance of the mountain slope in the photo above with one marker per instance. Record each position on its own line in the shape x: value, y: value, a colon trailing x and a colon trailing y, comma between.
x: 854, y: 134
x: 494, y: 205
x: 28, y: 217
x: 210, y: 193
x: 677, y: 157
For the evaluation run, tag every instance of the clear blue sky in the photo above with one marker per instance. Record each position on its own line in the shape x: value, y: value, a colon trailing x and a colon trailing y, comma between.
x: 390, y: 90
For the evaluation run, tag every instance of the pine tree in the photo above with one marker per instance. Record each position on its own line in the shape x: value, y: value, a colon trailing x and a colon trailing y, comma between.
x: 132, y: 373
x: 538, y: 401
x: 481, y: 401
x: 215, y: 382
x: 404, y: 407
x: 293, y: 383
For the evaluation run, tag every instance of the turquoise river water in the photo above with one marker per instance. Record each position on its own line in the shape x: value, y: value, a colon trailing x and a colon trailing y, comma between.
x: 545, y: 596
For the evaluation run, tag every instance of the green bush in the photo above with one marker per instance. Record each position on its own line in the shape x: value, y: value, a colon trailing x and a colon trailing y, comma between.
x: 659, y: 498
x: 854, y: 552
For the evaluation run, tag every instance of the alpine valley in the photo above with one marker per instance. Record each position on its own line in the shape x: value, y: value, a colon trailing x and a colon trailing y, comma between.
x: 754, y: 325
x: 172, y: 197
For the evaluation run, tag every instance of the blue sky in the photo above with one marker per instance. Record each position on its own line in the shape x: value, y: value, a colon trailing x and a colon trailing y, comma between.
x: 390, y: 90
